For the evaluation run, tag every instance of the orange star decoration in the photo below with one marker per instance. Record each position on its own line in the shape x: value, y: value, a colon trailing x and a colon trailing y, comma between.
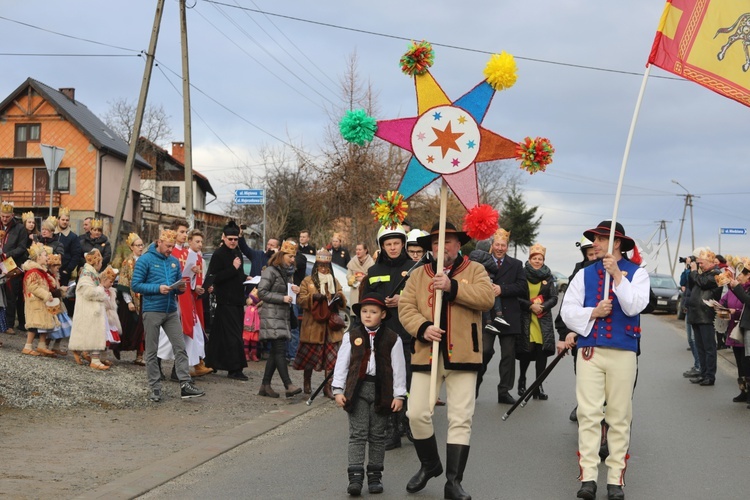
x: 446, y: 139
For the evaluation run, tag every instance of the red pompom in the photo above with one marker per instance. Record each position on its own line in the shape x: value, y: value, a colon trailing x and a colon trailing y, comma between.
x: 481, y: 222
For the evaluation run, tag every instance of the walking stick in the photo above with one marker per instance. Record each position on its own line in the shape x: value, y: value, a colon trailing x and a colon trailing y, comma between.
x: 535, y: 385
x: 320, y: 388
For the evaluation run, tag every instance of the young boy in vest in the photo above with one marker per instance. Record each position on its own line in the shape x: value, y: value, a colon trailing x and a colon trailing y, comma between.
x: 369, y: 382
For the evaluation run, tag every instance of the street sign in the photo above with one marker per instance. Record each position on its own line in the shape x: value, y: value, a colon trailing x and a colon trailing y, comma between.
x: 248, y: 200
x: 242, y: 193
x: 52, y: 156
x: 734, y: 230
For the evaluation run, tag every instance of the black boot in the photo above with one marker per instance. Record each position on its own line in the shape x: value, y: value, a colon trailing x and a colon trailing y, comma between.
x: 392, y: 435
x: 587, y: 491
x: 430, y: 464
x: 356, y: 478
x: 540, y: 394
x: 374, y: 478
x: 455, y: 463
x: 521, y: 386
x: 742, y: 397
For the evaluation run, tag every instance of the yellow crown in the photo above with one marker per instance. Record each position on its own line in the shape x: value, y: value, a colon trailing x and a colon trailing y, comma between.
x: 289, y: 246
x: 168, y: 236
x: 63, y: 211
x: 27, y: 216
x: 7, y: 207
x: 536, y: 248
x: 132, y: 238
x: 501, y: 234
x: 97, y: 224
x: 92, y: 257
x: 50, y: 223
x: 35, y: 250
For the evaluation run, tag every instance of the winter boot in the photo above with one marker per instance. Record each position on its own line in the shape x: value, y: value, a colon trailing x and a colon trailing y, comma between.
x: 356, y: 479
x: 374, y: 478
x: 742, y: 397
x: 327, y: 391
x: 521, y: 386
x: 455, y: 463
x: 392, y: 435
x: 429, y: 459
x: 307, y: 383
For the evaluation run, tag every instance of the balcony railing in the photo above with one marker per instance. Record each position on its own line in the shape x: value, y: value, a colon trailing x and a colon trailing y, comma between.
x: 150, y: 204
x: 31, y: 199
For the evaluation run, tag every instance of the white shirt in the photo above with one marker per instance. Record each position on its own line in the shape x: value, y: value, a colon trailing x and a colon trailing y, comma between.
x: 633, y: 297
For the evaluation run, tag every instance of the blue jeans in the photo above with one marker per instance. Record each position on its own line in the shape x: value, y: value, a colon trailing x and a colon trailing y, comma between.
x: 691, y: 344
x: 293, y: 343
x: 705, y: 341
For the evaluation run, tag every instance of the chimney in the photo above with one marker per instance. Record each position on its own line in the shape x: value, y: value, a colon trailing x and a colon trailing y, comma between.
x: 178, y: 151
x: 69, y: 92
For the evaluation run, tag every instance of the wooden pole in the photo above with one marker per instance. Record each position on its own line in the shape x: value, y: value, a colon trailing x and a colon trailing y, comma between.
x: 130, y: 162
x: 186, y: 115
x: 438, y: 293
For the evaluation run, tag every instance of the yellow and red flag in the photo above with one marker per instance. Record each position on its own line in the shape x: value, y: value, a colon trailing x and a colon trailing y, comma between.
x: 708, y: 42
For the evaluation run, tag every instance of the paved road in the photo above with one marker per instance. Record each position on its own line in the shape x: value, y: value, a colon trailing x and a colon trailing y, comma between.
x: 688, y: 442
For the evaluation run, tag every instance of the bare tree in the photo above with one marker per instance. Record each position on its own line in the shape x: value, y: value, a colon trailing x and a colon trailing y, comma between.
x: 120, y: 117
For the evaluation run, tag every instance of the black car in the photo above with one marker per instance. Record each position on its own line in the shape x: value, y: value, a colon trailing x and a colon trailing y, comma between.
x: 667, y: 292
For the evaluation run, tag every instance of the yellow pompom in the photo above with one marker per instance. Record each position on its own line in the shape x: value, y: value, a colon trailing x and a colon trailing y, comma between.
x: 501, y: 71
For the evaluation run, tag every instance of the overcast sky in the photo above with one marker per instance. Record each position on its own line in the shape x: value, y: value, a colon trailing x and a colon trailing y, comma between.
x: 278, y: 75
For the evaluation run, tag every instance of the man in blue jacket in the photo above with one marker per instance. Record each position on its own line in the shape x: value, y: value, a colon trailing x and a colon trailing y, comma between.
x: 158, y: 279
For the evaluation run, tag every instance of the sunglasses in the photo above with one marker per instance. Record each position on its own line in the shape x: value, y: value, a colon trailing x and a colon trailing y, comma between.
x: 232, y: 239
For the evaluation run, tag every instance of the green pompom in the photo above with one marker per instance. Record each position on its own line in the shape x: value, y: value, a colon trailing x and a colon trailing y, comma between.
x: 358, y: 127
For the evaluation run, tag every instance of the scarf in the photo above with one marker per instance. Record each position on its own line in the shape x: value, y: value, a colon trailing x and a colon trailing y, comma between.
x: 534, y: 276
x: 327, y: 285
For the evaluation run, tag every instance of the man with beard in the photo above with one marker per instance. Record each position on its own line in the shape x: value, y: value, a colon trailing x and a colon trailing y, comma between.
x: 72, y: 253
x: 225, y: 349
x: 14, y: 245
x: 384, y: 277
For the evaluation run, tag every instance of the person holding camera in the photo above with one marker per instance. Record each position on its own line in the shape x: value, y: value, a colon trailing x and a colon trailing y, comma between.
x: 701, y: 316
x: 694, y: 370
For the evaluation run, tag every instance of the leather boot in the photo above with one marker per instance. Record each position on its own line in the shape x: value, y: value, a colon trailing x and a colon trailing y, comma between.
x: 540, y: 394
x: 327, y: 392
x: 392, y: 435
x: 374, y: 478
x: 521, y: 386
x: 307, y: 383
x: 427, y: 452
x: 356, y: 479
x: 455, y: 463
x: 742, y: 397
x: 267, y: 390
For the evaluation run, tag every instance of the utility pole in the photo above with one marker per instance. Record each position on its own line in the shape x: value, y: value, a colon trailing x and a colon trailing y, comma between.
x: 688, y: 203
x: 186, y: 115
x: 130, y: 162
x: 663, y: 227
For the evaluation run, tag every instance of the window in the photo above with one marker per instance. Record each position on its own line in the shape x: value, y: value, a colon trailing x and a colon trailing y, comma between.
x: 25, y: 133
x: 170, y: 194
x: 6, y: 179
x: 62, y: 179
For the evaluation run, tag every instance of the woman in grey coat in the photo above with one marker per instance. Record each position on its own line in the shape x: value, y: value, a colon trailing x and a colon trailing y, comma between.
x: 273, y: 290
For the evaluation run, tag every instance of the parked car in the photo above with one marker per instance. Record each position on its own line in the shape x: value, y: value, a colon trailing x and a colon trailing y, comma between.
x: 561, y: 280
x: 667, y: 292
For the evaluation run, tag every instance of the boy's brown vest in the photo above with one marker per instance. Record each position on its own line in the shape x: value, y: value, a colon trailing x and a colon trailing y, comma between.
x: 384, y: 341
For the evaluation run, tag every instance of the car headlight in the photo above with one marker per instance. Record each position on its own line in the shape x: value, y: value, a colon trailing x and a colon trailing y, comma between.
x: 675, y: 296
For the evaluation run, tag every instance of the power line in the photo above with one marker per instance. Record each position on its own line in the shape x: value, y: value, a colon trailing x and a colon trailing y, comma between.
x: 30, y: 54
x: 436, y: 44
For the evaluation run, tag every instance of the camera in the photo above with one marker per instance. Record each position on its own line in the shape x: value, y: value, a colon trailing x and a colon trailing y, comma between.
x: 683, y: 260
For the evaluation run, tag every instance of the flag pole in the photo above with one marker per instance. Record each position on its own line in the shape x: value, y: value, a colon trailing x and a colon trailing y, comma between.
x: 438, y: 293
x: 625, y: 155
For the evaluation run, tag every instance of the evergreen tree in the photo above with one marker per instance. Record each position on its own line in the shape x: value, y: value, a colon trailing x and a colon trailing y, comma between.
x: 519, y: 219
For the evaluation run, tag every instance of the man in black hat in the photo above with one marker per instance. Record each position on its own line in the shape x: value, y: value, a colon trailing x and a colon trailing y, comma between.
x: 225, y: 349
x: 606, y: 327
x: 467, y: 292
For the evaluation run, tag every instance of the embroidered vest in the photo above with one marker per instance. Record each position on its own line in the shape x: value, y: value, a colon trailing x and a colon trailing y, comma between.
x: 384, y: 341
x: 617, y: 330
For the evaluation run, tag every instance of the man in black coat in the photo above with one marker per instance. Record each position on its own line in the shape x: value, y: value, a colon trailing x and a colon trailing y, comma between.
x: 14, y: 245
x: 71, y: 243
x: 509, y: 283
x: 225, y: 349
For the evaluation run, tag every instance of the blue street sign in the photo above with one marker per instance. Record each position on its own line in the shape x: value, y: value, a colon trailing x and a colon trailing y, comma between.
x: 248, y: 200
x: 241, y: 193
x: 733, y: 230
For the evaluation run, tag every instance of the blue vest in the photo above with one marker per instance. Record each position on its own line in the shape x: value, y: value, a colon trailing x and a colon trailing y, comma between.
x: 617, y: 330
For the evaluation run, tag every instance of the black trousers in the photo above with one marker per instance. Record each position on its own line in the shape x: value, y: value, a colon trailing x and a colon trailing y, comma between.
x: 507, y: 366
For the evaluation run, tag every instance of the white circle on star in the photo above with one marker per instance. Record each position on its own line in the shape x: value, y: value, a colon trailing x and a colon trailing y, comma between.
x: 445, y: 139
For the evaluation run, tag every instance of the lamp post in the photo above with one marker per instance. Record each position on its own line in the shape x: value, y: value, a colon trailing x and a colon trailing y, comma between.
x: 52, y: 157
x: 688, y: 203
